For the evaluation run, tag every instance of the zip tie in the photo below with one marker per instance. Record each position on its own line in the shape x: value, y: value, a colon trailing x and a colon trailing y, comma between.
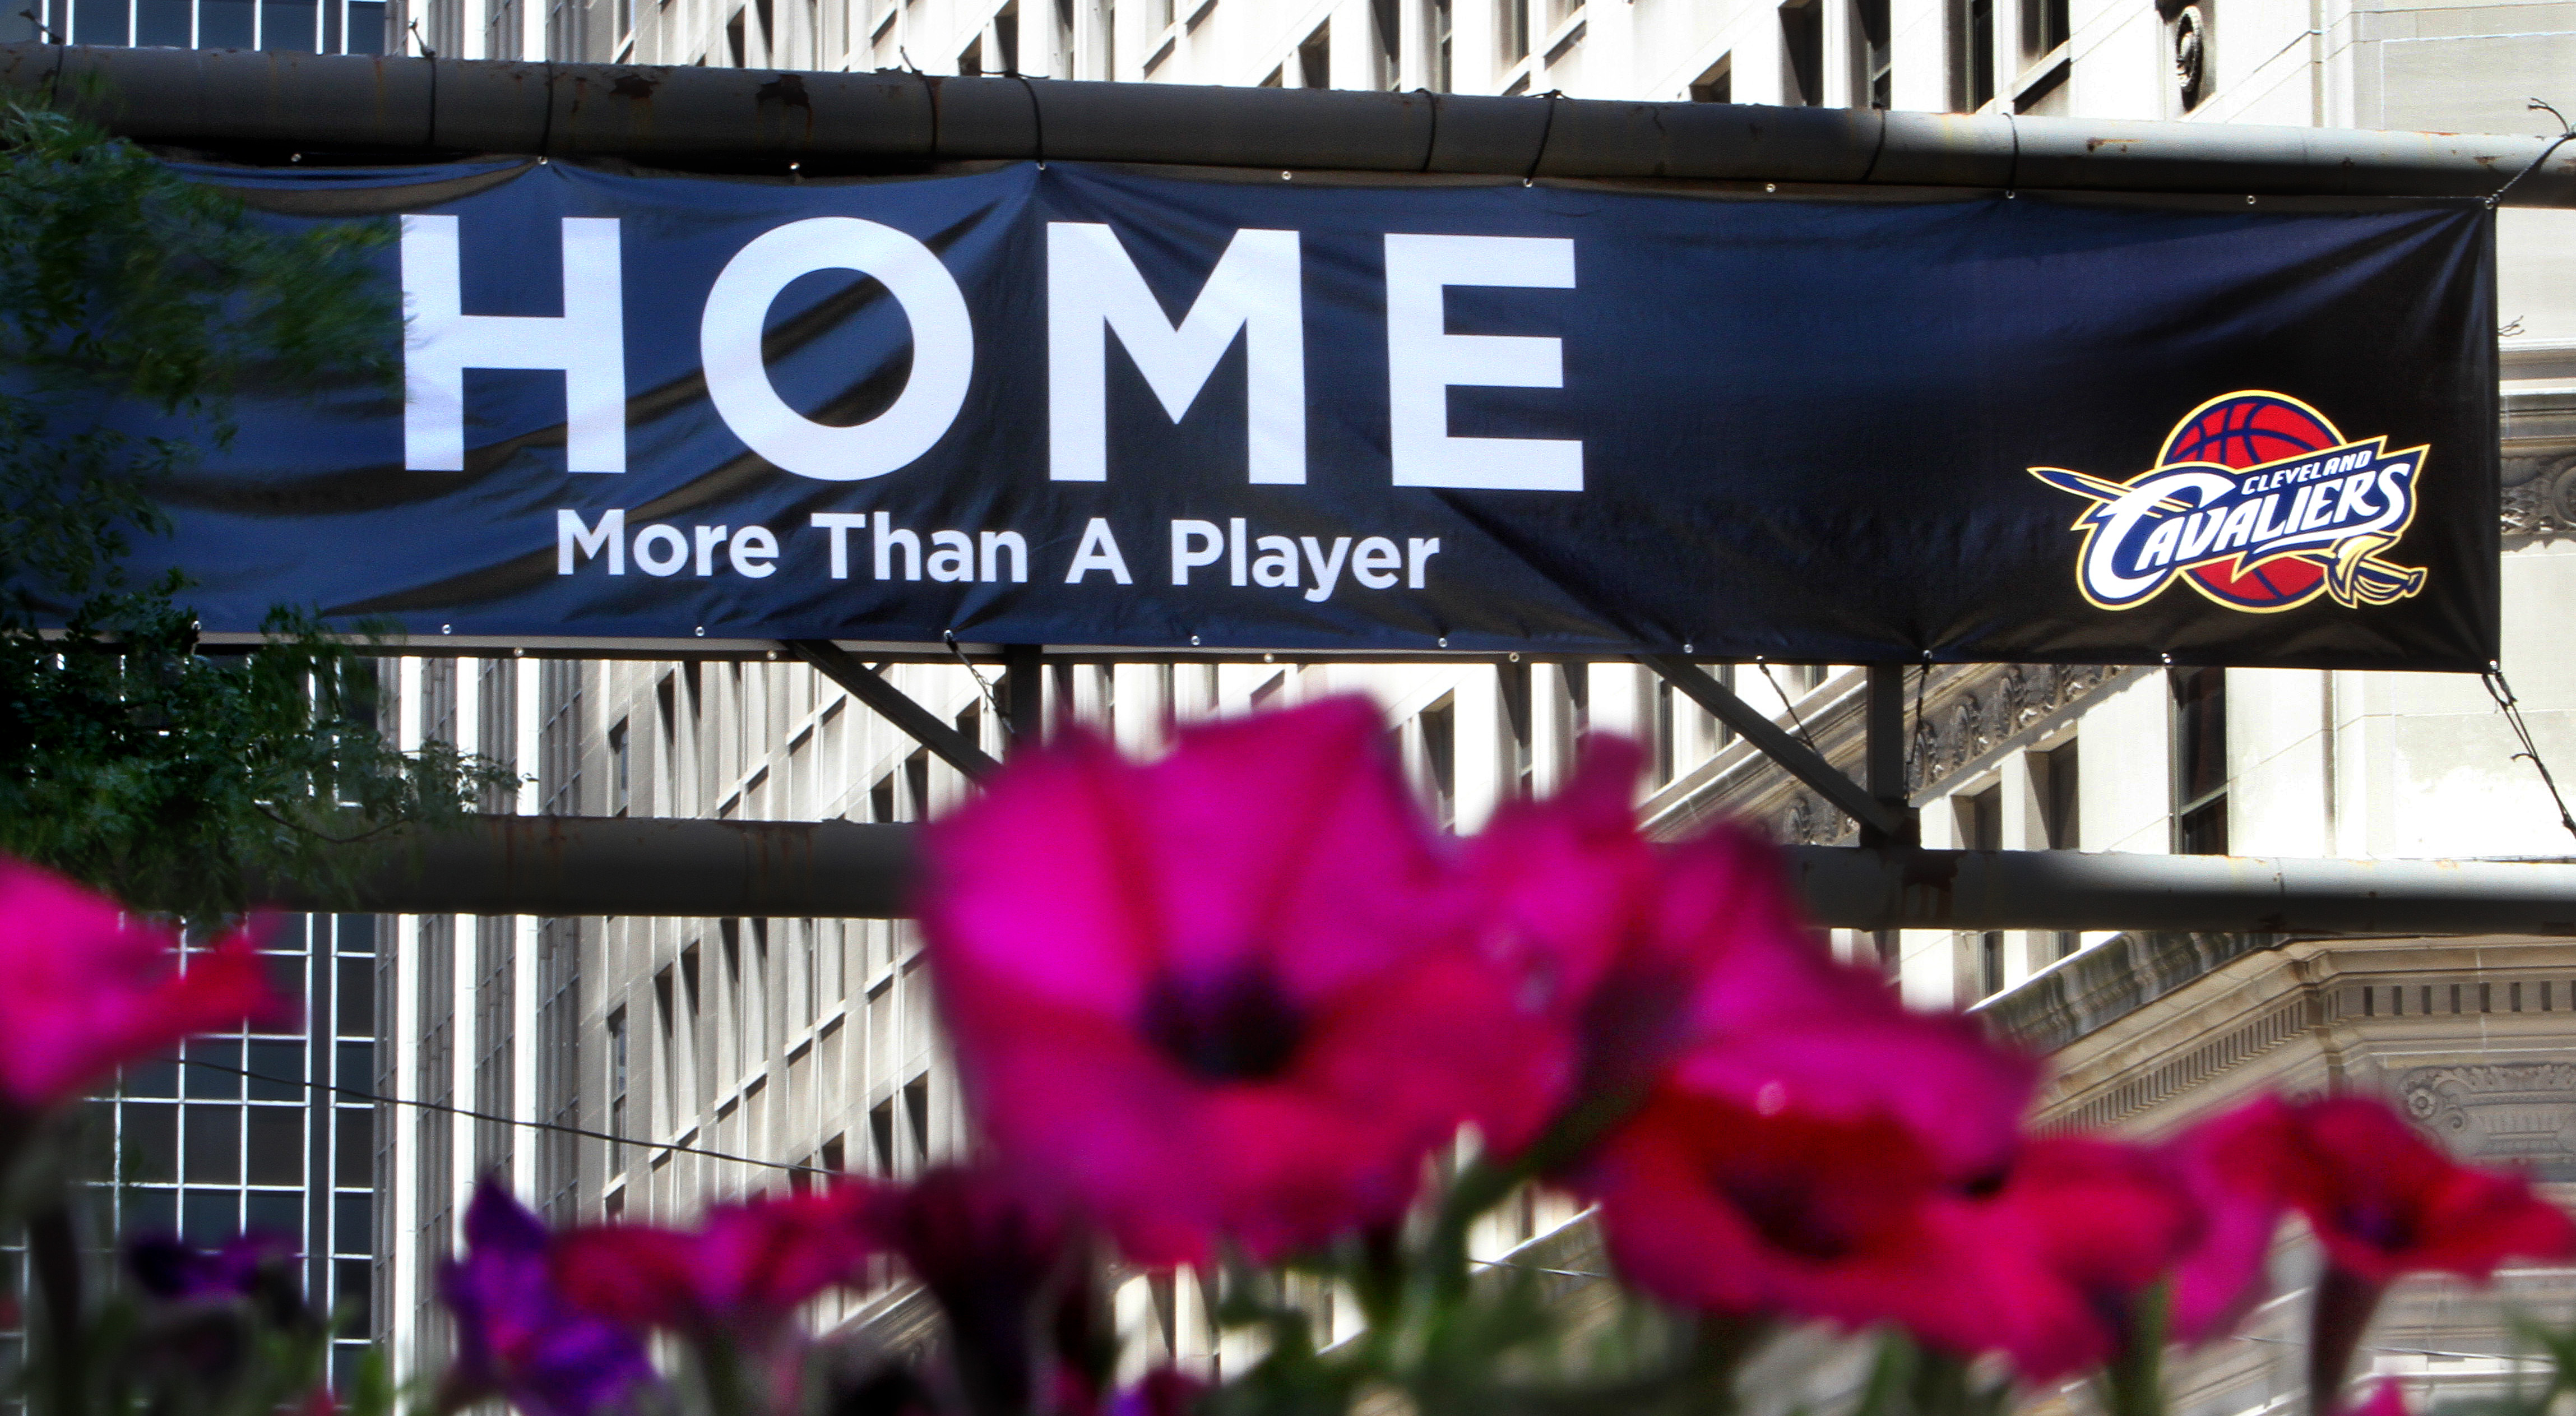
x: 1765, y: 666
x: 949, y: 637
x: 1037, y: 117
x: 1546, y: 129
x: 2566, y: 131
x: 2511, y: 707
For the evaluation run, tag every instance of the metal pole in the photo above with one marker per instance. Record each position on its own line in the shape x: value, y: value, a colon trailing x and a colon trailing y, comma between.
x: 1795, y: 758
x: 566, y: 865
x: 890, y: 703
x: 1883, y: 761
x: 272, y: 104
x: 1024, y: 694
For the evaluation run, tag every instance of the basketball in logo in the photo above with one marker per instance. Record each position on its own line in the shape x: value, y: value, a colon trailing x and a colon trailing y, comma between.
x: 2248, y: 430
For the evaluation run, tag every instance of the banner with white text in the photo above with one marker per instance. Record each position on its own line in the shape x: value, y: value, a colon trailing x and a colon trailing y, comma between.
x: 1083, y: 405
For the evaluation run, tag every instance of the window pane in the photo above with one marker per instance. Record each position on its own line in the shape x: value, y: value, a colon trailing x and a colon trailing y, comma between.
x: 162, y: 22
x: 353, y: 1223
x: 214, y: 1145
x: 289, y: 24
x: 152, y: 1079
x: 276, y: 1212
x: 276, y: 1145
x: 358, y: 1065
x: 354, y: 1160
x: 358, y: 997
x: 366, y: 26
x: 220, y: 1076
x: 277, y: 1071
x: 209, y: 1217
x: 223, y: 24
x: 151, y: 1143
x: 355, y: 1280
x: 151, y: 1211
x: 99, y: 22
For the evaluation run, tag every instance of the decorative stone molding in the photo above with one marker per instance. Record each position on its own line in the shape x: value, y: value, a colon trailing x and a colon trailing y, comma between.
x: 1965, y: 716
x: 2499, y: 1112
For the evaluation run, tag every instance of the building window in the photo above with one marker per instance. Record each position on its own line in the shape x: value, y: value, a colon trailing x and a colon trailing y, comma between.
x: 1315, y: 58
x: 970, y: 64
x: 1717, y: 83
x: 1442, y: 75
x: 1981, y: 828
x: 1439, y: 726
x: 1873, y: 67
x: 620, y: 768
x: 1388, y: 59
x: 1511, y: 32
x: 1972, y: 54
x: 1802, y: 54
x: 2043, y: 28
x: 2200, y: 761
x: 1006, y: 38
x: 2062, y: 816
x: 617, y: 1090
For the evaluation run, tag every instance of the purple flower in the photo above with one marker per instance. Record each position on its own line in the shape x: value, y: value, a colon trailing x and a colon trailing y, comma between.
x: 515, y: 1335
x: 260, y: 1267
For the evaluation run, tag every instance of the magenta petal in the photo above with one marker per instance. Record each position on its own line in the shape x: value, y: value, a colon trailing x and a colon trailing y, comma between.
x: 85, y: 986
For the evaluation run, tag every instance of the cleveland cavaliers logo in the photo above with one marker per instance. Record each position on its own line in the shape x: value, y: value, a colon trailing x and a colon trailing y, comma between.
x: 2259, y: 504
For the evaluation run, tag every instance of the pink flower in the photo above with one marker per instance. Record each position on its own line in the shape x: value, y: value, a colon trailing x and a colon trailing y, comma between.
x: 85, y: 987
x: 2234, y: 1165
x: 2080, y: 1228
x: 2387, y: 1398
x: 1007, y: 1269
x: 2385, y: 1202
x: 740, y: 1275
x: 1695, y: 956
x: 1708, y: 1203
x: 1233, y: 992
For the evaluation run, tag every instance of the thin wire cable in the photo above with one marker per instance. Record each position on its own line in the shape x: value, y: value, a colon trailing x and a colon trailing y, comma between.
x: 2511, y: 706
x: 2567, y: 130
x: 507, y: 1120
x: 1765, y: 666
x: 950, y: 637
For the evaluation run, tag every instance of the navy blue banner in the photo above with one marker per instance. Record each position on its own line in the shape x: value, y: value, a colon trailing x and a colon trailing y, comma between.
x: 1087, y: 405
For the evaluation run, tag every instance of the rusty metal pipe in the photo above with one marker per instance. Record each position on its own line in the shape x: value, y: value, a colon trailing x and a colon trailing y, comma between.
x: 268, y: 103
x: 559, y: 865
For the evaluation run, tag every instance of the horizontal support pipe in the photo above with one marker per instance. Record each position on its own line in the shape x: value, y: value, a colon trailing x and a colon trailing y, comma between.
x: 624, y: 865
x: 760, y: 121
x: 563, y: 865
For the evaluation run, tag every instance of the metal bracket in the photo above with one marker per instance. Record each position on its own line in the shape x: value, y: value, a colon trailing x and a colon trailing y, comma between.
x: 869, y: 687
x: 1892, y: 823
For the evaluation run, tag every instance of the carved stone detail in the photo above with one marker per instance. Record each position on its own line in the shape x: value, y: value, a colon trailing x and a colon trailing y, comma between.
x: 2523, y: 1112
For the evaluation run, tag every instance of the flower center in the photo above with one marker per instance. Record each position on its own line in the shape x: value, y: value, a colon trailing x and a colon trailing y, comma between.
x: 1784, y: 1212
x: 1237, y: 1027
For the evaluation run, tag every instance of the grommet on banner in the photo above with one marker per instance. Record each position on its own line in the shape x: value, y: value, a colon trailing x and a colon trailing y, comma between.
x: 2249, y: 199
x: 1444, y: 641
x: 1770, y: 186
x: 1284, y: 177
x: 2168, y: 658
x: 447, y: 629
x: 1270, y: 658
x: 702, y: 631
x: 1514, y: 656
x: 1686, y: 646
x: 1194, y: 641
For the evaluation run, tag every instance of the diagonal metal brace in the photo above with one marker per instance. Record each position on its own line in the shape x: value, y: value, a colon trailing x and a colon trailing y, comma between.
x: 1773, y: 742
x: 869, y: 687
